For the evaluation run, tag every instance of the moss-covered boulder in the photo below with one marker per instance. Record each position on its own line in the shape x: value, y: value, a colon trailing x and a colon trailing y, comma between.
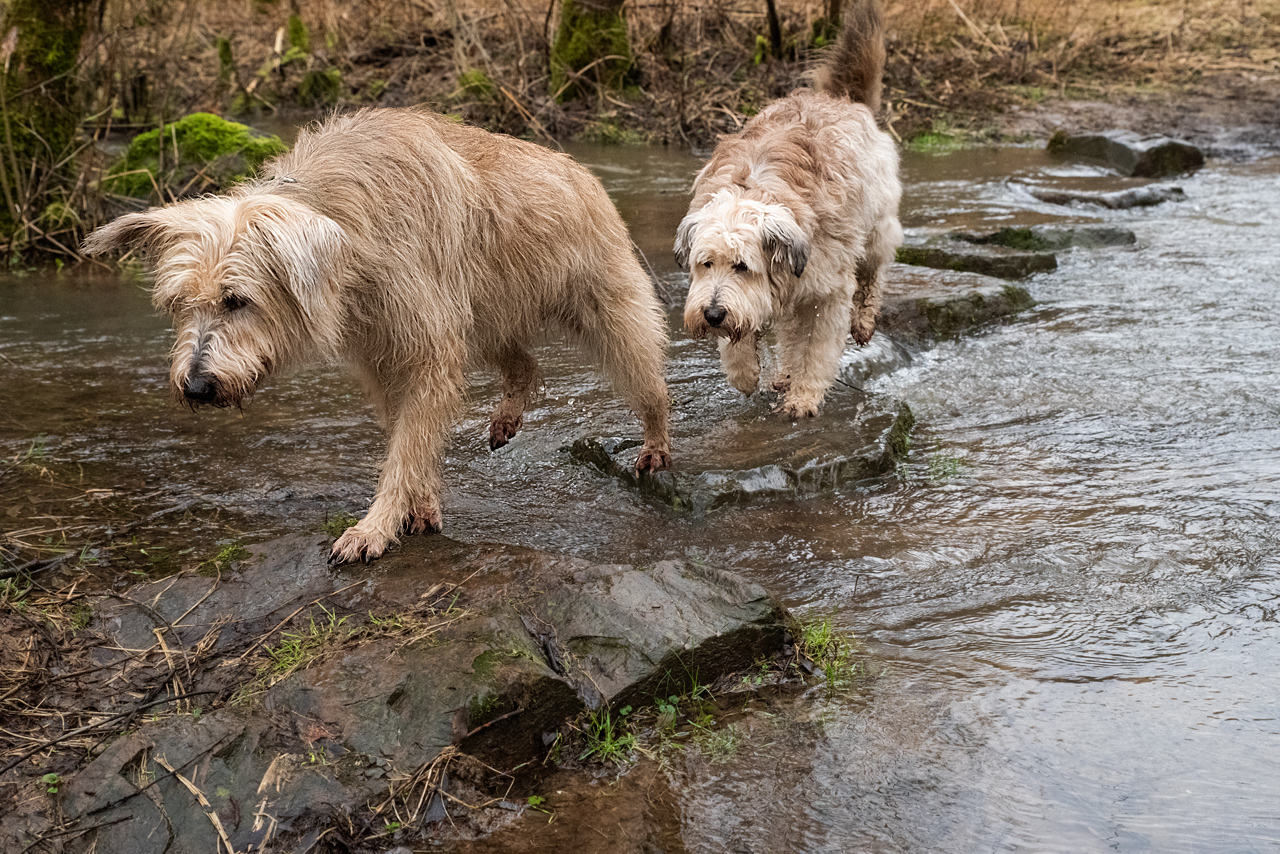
x: 1047, y: 238
x: 990, y: 260
x: 591, y: 39
x: 199, y: 153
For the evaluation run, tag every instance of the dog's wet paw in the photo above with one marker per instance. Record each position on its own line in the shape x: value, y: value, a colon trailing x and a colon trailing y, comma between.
x: 652, y: 460
x: 502, y: 430
x: 796, y: 410
x: 426, y: 517
x: 356, y: 544
x: 862, y: 329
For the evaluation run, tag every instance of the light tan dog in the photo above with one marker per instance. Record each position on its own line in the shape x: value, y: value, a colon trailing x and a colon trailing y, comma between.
x: 793, y: 221
x: 406, y: 246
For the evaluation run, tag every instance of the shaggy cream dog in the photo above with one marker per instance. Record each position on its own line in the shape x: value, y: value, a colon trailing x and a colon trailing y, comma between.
x: 792, y: 223
x: 406, y: 246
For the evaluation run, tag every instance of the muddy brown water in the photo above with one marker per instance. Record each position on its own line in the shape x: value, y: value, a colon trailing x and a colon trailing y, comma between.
x: 1067, y: 599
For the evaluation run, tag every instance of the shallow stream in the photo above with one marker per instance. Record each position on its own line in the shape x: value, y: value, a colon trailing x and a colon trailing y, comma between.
x: 1067, y: 599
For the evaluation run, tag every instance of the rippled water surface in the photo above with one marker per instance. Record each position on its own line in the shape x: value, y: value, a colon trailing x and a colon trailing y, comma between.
x: 1068, y: 597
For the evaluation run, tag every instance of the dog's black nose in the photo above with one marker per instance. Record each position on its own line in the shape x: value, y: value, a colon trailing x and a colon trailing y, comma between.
x: 199, y: 389
x: 714, y: 315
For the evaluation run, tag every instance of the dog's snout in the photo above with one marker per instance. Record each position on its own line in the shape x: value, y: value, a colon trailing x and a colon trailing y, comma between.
x: 199, y: 388
x: 714, y: 315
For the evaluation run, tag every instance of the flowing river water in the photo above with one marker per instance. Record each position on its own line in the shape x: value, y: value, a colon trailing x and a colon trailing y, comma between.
x: 1066, y: 600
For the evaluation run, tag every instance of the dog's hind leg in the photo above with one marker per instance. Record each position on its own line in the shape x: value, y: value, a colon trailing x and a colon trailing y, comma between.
x: 519, y: 379
x: 870, y: 273
x: 423, y: 408
x: 618, y: 320
x: 811, y: 337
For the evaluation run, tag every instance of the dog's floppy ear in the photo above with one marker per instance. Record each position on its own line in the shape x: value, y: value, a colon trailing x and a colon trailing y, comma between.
x: 145, y: 230
x: 684, y: 238
x: 784, y: 243
x: 303, y: 247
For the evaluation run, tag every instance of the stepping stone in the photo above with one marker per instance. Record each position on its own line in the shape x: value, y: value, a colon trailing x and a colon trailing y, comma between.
x: 1138, y: 197
x: 1050, y: 238
x: 1131, y: 154
x: 988, y: 260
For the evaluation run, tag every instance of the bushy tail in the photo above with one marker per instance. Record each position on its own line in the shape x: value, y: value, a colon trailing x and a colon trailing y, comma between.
x: 854, y: 67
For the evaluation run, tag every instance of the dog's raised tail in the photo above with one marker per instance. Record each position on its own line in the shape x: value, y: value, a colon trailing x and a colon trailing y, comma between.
x: 853, y: 68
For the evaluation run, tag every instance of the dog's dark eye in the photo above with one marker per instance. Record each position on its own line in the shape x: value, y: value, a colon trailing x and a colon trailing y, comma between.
x: 232, y: 302
x: 707, y: 264
x: 739, y: 267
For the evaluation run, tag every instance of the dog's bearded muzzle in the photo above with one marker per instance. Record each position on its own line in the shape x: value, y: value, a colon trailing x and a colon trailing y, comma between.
x: 714, y: 321
x: 200, y: 387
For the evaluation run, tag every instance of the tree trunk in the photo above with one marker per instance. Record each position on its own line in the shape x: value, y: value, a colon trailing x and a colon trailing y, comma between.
x: 39, y: 103
x: 590, y: 31
x: 775, y: 29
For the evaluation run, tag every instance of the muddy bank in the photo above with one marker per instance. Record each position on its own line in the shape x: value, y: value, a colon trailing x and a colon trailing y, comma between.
x: 327, y: 691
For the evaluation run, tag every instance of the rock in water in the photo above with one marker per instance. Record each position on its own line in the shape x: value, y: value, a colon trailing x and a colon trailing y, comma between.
x: 1129, y: 153
x: 1138, y: 197
x: 987, y: 261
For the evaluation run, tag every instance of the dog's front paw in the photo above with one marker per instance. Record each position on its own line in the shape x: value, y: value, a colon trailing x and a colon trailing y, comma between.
x: 796, y: 409
x: 502, y: 429
x: 652, y: 460
x: 357, y: 544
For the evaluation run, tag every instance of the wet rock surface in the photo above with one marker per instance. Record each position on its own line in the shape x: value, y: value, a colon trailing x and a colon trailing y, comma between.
x: 1131, y: 154
x: 1138, y: 197
x: 987, y: 260
x: 923, y: 305
x: 1048, y: 238
x: 442, y: 647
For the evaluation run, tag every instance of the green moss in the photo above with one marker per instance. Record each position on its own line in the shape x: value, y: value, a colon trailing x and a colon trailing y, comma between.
x: 337, y: 524
x: 608, y: 132
x: 584, y: 36
x: 41, y: 98
x: 934, y: 142
x: 476, y: 84
x: 320, y: 88
x: 898, y: 442
x: 299, y: 38
x: 1016, y: 238
x: 1057, y: 142
x: 211, y: 153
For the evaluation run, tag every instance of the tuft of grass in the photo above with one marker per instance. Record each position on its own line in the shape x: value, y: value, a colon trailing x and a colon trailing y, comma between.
x: 830, y: 652
x: 299, y: 649
x: 608, y: 740
x: 221, y: 562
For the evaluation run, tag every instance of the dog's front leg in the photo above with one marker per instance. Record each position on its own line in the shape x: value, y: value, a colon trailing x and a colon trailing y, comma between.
x: 408, y: 498
x: 812, y: 336
x: 741, y: 362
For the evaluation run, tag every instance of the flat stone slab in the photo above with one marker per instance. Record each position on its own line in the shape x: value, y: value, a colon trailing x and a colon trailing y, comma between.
x: 923, y: 305
x: 442, y: 645
x: 1051, y: 238
x: 1131, y: 154
x: 1137, y: 197
x: 986, y: 260
x: 765, y: 456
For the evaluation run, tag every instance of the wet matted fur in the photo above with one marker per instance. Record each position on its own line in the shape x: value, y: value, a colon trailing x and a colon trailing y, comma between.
x: 406, y: 246
x: 792, y: 223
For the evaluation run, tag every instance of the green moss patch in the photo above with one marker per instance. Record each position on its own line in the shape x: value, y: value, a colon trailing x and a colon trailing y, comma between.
x: 198, y: 153
x: 584, y: 36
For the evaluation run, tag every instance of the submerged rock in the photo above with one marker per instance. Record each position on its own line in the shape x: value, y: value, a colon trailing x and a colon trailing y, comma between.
x: 444, y: 647
x: 992, y: 260
x: 199, y: 153
x: 1049, y: 238
x: 1129, y: 153
x: 764, y: 456
x: 1137, y: 197
x: 923, y: 305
